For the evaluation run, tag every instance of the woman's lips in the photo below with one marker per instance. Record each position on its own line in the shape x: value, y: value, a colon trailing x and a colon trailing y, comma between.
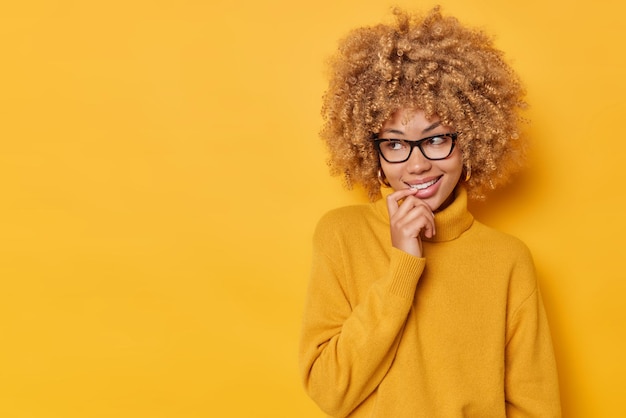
x: 425, y: 185
x: 426, y: 189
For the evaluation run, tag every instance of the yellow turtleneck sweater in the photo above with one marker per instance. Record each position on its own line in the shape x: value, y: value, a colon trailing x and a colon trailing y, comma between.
x: 461, y: 332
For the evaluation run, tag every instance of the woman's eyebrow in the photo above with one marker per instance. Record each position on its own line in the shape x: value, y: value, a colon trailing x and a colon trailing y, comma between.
x: 431, y: 127
x: 425, y: 130
x: 392, y: 131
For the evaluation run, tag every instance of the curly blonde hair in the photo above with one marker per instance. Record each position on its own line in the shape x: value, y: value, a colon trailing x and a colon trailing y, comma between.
x: 430, y: 63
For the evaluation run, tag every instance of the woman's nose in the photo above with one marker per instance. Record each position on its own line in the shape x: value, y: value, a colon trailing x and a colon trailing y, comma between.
x: 417, y: 163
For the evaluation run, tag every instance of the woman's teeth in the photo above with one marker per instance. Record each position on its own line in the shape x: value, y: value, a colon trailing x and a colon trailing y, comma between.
x: 423, y: 185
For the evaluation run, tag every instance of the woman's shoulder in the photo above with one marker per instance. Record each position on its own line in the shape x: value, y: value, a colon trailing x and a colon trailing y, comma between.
x: 348, y: 218
x: 501, y: 240
x: 346, y: 213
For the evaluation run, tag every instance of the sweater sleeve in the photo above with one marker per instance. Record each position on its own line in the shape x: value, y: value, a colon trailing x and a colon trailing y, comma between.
x: 345, y: 350
x: 531, y: 381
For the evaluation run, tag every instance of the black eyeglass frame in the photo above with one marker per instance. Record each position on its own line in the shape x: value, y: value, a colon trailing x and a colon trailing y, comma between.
x: 414, y: 144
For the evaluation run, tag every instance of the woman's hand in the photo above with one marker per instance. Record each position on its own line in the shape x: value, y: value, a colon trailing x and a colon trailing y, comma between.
x: 408, y: 220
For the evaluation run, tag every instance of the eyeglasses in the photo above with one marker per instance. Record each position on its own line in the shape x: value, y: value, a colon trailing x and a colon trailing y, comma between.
x: 436, y: 147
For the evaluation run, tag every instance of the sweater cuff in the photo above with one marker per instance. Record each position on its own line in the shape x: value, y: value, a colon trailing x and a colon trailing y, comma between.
x: 405, y: 271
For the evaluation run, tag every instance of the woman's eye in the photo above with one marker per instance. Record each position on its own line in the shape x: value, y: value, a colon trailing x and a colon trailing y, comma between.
x: 438, y: 140
x: 395, y: 145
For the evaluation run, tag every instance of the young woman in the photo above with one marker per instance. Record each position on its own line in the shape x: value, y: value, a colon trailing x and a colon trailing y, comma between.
x: 414, y: 308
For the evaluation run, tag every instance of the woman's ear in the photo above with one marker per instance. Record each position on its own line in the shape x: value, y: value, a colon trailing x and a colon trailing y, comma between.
x: 382, y: 179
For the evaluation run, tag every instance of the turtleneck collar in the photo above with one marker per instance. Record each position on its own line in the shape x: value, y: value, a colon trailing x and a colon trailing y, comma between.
x: 450, y: 223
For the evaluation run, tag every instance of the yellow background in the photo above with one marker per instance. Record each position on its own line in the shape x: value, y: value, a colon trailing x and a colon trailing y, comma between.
x: 161, y: 176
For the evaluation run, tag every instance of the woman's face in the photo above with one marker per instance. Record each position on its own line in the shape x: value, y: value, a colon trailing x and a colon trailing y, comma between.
x: 434, y: 179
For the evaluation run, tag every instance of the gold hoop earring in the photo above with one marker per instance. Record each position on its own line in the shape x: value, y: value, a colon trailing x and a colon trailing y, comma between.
x: 382, y: 179
x: 468, y: 172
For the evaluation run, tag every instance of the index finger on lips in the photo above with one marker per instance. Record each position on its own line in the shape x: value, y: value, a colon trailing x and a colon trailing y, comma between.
x: 394, y: 198
x: 414, y: 208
